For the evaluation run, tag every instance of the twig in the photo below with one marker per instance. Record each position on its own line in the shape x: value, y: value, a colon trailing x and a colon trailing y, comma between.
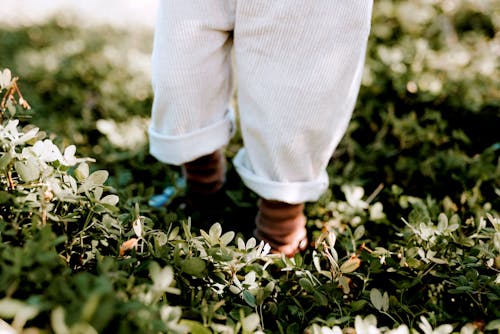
x: 9, y: 95
x: 10, y: 181
x: 375, y: 193
x: 364, y: 247
x: 22, y: 101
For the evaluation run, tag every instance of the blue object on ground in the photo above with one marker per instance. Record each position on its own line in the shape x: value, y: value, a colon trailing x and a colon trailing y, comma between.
x: 157, y: 201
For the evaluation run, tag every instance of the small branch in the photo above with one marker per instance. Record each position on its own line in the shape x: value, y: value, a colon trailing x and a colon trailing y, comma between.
x: 9, y: 95
x: 44, y: 215
x: 6, y: 97
x: 10, y: 181
x: 22, y: 101
x: 364, y: 247
x: 375, y: 193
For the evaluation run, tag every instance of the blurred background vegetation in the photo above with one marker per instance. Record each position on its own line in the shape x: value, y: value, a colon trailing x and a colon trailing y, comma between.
x: 426, y: 118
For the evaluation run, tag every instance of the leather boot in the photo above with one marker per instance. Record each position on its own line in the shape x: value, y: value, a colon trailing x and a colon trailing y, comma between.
x: 205, y: 175
x: 205, y: 178
x: 282, y: 225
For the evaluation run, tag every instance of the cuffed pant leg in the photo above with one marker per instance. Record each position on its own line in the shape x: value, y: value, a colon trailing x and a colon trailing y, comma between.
x: 191, y: 79
x: 299, y: 66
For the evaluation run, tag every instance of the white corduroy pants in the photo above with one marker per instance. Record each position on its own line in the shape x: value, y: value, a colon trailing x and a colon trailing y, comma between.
x: 298, y: 64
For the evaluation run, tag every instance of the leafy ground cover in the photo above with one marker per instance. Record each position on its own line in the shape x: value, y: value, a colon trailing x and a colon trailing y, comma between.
x: 406, y: 239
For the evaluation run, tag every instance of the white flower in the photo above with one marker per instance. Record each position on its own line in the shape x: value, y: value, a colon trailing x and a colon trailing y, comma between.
x: 24, y: 137
x: 426, y: 327
x: 46, y: 151
x: 127, y: 135
x: 10, y: 130
x: 247, y: 284
x: 69, y: 156
x: 402, y: 329
x: 259, y: 252
x: 367, y: 325
x: 333, y: 330
x: 354, y: 195
x: 5, y: 78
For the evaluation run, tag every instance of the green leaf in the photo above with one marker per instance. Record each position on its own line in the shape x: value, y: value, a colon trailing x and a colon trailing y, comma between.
x: 11, y: 108
x: 461, y: 289
x: 94, y: 180
x: 306, y: 284
x: 344, y: 282
x: 194, y: 327
x: 82, y: 171
x: 206, y: 236
x: 350, y: 265
x: 454, y: 223
x: 248, y: 298
x: 110, y: 200
x: 241, y: 244
x: 28, y: 170
x: 17, y: 309
x: 57, y: 321
x: 5, y: 160
x: 227, y: 237
x: 358, y: 305
x: 251, y: 243
x: 381, y: 302
x: 320, y: 298
x: 493, y: 325
x: 174, y: 233
x: 442, y: 222
x: 194, y: 266
x: 162, y: 278
x: 359, y: 232
x: 137, y: 226
x: 215, y: 231
x: 221, y: 254
x: 385, y: 301
x: 376, y: 298
x: 98, y: 177
x: 250, y: 323
x: 4, y: 197
x: 98, y: 193
x: 270, y: 287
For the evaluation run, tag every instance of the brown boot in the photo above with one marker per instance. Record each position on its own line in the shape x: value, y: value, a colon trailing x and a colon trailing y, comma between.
x: 282, y: 225
x: 205, y: 175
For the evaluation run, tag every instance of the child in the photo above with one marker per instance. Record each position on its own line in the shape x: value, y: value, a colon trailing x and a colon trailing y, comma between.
x: 298, y: 65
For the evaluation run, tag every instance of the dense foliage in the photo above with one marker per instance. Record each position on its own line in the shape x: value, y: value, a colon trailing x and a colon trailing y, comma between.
x: 406, y: 239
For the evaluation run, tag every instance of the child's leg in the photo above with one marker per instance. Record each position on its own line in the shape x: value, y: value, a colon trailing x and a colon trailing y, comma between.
x: 299, y: 66
x: 191, y: 81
